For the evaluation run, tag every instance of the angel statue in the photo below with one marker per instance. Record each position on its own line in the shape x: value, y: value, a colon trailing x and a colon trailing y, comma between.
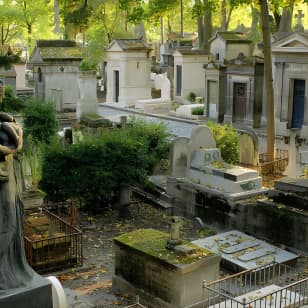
x: 15, y: 271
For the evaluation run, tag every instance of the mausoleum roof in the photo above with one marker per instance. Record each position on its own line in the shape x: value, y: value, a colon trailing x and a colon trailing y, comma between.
x: 231, y: 37
x: 191, y: 51
x: 294, y: 42
x: 131, y: 44
x: 56, y: 50
x: 61, y: 53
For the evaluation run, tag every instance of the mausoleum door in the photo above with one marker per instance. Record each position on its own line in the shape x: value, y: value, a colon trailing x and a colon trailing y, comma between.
x: 239, y: 102
x: 116, y: 86
x: 298, y: 108
x: 178, y: 80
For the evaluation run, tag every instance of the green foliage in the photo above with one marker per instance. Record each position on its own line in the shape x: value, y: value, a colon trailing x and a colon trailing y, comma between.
x: 227, y: 140
x: 191, y: 97
x: 10, y: 102
x: 32, y: 156
x: 198, y: 111
x: 96, y: 169
x: 7, y: 61
x: 40, y: 120
x: 87, y: 65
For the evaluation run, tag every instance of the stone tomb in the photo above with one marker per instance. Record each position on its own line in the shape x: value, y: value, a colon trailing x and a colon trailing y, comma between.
x: 240, y: 251
x: 209, y: 170
x: 162, y: 277
x: 196, y: 167
x: 163, y: 103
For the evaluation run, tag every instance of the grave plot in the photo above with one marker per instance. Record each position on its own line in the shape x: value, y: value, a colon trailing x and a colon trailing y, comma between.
x: 275, y: 285
x: 50, y: 242
x: 240, y: 251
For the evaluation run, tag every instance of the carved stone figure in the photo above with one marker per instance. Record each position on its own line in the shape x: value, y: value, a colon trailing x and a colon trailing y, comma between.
x: 14, y: 269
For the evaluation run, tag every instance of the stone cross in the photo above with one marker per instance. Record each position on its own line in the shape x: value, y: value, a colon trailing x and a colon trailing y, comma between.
x: 299, y: 24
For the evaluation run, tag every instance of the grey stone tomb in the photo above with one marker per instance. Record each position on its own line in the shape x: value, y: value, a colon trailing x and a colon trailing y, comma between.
x: 197, y: 162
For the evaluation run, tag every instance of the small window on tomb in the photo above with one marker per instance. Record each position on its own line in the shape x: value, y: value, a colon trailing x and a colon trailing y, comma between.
x: 40, y: 75
x: 217, y: 56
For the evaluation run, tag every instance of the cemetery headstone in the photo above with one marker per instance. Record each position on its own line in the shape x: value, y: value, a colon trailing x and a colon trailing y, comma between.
x: 178, y: 157
x: 87, y: 103
x: 248, y: 149
x: 293, y: 169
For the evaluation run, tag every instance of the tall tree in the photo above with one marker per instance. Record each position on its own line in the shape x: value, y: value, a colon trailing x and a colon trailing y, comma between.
x: 30, y: 13
x: 9, y: 23
x: 203, y: 10
x: 227, y: 8
x: 268, y: 76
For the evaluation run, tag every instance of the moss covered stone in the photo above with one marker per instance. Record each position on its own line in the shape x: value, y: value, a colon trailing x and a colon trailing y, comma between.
x: 153, y: 243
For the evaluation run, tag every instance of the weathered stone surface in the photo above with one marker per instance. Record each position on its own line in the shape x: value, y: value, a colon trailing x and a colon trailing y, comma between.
x: 37, y: 296
x: 296, y: 185
x: 160, y: 280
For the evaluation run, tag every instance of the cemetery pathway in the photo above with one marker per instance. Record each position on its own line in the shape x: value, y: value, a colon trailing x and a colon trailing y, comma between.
x: 176, y: 126
x: 91, y: 285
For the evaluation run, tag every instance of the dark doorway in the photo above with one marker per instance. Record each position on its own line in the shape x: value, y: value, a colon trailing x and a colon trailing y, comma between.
x: 178, y: 80
x: 298, y: 108
x: 239, y: 101
x: 116, y: 86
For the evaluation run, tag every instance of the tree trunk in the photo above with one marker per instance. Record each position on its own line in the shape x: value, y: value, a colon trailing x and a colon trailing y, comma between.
x: 268, y: 75
x: 207, y: 32
x: 162, y: 30
x: 182, y: 18
x: 200, y: 28
x: 286, y: 18
x: 56, y: 17
x: 223, y: 16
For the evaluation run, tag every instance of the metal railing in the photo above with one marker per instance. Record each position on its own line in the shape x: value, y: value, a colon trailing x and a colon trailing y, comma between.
x: 274, y: 286
x: 273, y: 169
x: 61, y: 250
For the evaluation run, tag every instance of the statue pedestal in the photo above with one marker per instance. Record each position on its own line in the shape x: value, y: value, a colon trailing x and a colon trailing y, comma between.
x: 37, y: 296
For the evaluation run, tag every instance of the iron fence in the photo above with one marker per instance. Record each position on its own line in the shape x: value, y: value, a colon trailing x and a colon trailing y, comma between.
x: 61, y: 250
x: 270, y: 170
x: 272, y: 286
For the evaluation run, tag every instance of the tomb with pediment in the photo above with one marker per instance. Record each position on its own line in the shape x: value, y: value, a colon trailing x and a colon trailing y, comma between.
x: 290, y: 62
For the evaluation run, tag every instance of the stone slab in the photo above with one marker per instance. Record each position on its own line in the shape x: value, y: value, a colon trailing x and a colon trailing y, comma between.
x: 250, y: 257
x: 38, y: 296
x: 294, y: 185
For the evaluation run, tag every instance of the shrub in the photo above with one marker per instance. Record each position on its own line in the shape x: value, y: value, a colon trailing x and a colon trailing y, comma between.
x: 40, y: 120
x: 227, y: 140
x: 191, y: 97
x: 10, y: 102
x: 198, y: 111
x: 97, y: 168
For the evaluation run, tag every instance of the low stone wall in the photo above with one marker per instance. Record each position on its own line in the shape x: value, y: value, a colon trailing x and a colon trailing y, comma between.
x: 257, y: 216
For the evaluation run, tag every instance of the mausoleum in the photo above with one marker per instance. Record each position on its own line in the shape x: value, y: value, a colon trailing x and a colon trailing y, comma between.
x: 128, y: 71
x: 234, y: 80
x: 189, y: 72
x: 55, y: 66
